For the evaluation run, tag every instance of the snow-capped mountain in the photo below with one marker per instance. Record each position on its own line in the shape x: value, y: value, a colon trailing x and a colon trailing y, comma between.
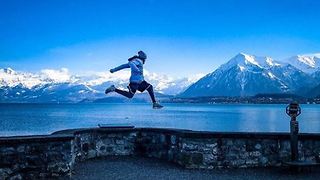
x: 246, y: 75
x: 46, y: 86
x: 309, y: 63
x: 60, y: 86
x: 61, y: 92
x: 11, y: 78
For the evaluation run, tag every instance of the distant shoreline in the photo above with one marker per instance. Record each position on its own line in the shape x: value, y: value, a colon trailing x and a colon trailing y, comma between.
x: 143, y: 98
x: 182, y: 102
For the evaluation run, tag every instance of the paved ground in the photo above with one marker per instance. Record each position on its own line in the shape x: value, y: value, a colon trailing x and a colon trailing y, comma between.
x: 144, y: 168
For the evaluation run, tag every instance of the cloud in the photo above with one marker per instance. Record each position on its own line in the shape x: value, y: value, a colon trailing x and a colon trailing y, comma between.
x: 59, y: 76
x: 162, y: 83
x: 97, y: 78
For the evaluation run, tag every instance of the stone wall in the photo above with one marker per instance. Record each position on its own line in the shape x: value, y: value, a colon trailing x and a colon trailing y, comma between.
x: 226, y: 150
x: 55, y: 155
x: 36, y: 157
x: 99, y: 142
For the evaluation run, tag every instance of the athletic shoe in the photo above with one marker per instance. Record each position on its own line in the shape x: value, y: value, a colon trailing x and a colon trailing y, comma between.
x: 110, y: 89
x: 157, y: 105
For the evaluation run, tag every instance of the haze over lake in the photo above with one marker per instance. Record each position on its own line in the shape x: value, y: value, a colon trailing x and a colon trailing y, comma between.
x: 29, y: 119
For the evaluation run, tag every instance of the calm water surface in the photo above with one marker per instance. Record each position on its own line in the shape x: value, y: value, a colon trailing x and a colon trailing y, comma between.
x: 26, y: 119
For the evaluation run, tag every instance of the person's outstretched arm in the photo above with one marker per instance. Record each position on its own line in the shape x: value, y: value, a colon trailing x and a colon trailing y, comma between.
x: 123, y: 66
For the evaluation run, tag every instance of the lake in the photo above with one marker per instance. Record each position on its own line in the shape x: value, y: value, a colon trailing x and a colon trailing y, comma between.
x: 29, y: 119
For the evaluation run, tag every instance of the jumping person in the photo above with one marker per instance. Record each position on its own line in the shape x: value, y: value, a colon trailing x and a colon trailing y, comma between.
x: 137, y: 81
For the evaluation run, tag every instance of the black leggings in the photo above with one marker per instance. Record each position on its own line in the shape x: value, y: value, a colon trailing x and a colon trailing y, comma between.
x: 129, y: 94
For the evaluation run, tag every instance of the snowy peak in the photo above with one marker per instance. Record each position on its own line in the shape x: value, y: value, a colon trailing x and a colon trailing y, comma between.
x: 311, y: 60
x: 245, y: 61
x: 8, y: 70
x: 11, y: 78
x: 308, y: 63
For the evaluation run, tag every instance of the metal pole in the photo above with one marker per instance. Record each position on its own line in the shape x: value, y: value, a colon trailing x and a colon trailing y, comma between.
x: 294, y: 130
x: 293, y: 110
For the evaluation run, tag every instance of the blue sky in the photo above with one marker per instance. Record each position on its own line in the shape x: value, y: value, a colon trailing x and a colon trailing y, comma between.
x: 180, y: 37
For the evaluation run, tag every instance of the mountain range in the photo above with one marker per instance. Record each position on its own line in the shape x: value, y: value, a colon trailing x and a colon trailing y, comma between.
x: 59, y: 86
x: 243, y: 75
x: 248, y: 75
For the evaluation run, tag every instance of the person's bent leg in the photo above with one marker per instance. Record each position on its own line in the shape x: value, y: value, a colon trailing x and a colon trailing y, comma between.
x: 151, y: 93
x: 155, y: 104
x: 124, y: 93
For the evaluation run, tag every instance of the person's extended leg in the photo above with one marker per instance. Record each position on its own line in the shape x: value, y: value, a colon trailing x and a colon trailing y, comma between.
x: 128, y: 94
x: 124, y: 93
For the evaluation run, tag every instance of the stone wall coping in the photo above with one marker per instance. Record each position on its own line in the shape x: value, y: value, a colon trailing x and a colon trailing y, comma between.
x: 68, y: 134
x: 212, y: 134
x: 36, y: 138
x: 93, y: 130
x: 194, y: 134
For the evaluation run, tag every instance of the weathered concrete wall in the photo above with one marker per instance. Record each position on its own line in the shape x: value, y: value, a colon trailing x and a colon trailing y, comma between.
x: 55, y: 155
x: 36, y: 157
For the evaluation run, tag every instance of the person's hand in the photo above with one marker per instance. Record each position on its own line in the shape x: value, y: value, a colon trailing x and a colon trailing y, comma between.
x: 111, y: 70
